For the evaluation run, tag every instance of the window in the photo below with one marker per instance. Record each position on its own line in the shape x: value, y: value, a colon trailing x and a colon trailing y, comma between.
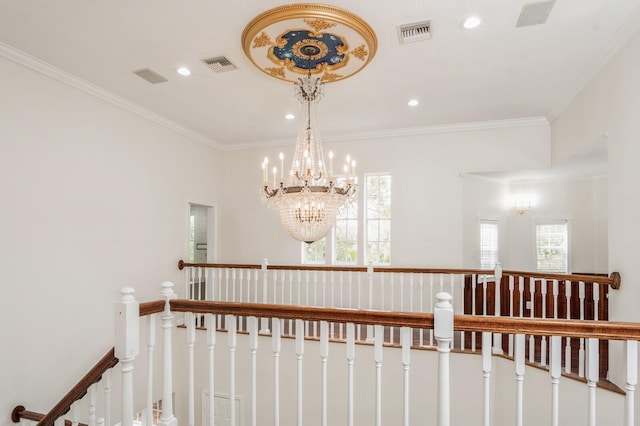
x: 552, y: 247
x: 341, y: 245
x: 378, y: 218
x: 488, y: 244
x: 345, y: 249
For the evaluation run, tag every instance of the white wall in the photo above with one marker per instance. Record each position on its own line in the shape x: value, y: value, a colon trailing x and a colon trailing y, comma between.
x: 610, y: 105
x: 427, y: 191
x: 94, y: 198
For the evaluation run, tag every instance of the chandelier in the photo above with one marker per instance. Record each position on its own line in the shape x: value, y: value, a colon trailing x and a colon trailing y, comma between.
x: 308, y: 44
x: 309, y: 196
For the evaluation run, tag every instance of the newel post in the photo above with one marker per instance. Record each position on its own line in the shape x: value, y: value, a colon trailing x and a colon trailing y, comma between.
x: 443, y: 332
x: 167, y: 418
x: 127, y: 335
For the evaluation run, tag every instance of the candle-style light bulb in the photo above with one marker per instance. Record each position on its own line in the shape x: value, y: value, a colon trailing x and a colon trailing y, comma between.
x: 330, y: 163
x: 275, y: 170
x: 281, y: 165
x: 353, y: 168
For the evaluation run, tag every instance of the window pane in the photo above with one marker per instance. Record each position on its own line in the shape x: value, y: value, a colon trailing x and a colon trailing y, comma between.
x: 552, y: 247
x: 378, y: 211
x: 488, y: 245
x: 314, y: 252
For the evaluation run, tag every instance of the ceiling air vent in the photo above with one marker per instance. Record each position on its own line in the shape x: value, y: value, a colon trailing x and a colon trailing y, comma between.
x: 151, y: 76
x: 219, y: 64
x: 416, y: 31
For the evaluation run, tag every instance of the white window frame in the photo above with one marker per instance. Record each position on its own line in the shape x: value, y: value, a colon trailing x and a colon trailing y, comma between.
x: 552, y: 221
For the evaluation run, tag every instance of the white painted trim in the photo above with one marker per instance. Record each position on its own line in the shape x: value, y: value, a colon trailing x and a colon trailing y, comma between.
x: 35, y: 64
x: 408, y: 131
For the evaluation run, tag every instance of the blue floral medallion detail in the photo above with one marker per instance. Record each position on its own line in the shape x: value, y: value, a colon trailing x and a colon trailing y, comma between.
x: 305, y: 50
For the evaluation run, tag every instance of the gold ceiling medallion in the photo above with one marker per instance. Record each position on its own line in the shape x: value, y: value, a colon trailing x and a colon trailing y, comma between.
x: 303, y: 37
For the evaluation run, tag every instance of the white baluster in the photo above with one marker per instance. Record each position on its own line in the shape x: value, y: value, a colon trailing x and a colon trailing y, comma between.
x: 299, y: 355
x: 106, y: 378
x: 199, y: 293
x: 92, y: 404
x: 631, y: 347
x: 473, y: 308
x: 519, y: 361
x: 276, y: 346
x: 511, y: 288
x: 74, y: 414
x: 461, y: 309
x: 241, y: 281
x: 151, y: 343
x: 543, y: 343
x: 290, y: 295
x: 227, y: 291
x: 596, y: 300
x: 567, y: 350
x: 497, y: 337
x: 351, y: 354
x: 256, y: 277
x: 393, y: 291
x: 405, y: 338
x: 127, y: 334
x: 370, y: 280
x: 324, y: 355
x: 581, y: 354
x: 422, y: 306
x: 443, y: 331
x: 402, y: 292
x: 264, y: 322
x: 431, y: 305
x: 593, y: 375
x: 555, y: 370
x: 486, y: 374
x: 377, y: 351
x: 191, y: 341
x: 210, y: 320
x: 532, y: 339
x: 231, y: 344
x: 484, y: 295
x: 167, y: 418
x: 282, y: 287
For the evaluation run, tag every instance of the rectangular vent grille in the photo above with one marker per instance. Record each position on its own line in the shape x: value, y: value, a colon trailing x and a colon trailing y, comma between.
x: 416, y: 31
x: 535, y: 13
x: 219, y: 64
x: 151, y: 76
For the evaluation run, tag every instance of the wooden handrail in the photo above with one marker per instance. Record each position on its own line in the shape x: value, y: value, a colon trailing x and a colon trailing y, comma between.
x: 20, y: 413
x: 613, y: 280
x: 78, y: 391
x: 534, y: 326
x: 308, y: 313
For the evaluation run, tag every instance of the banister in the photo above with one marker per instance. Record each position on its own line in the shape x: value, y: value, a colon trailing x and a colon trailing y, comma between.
x: 20, y: 413
x: 308, y: 313
x: 108, y: 361
x: 613, y: 280
x: 532, y: 326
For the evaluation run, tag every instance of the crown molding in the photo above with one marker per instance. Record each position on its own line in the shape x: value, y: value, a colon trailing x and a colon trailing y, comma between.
x: 608, y: 51
x: 35, y: 64
x: 402, y: 132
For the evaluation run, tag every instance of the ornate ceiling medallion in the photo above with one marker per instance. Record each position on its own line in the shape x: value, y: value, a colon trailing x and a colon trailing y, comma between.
x: 296, y: 39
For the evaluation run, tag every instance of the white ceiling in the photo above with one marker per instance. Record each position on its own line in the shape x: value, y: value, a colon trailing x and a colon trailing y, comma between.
x: 495, y: 72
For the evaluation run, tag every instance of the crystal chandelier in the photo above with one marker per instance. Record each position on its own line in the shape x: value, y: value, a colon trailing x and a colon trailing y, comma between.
x: 309, y: 196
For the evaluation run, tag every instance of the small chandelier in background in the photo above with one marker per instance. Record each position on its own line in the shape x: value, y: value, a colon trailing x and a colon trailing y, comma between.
x: 523, y: 203
x: 324, y: 44
x: 309, y: 195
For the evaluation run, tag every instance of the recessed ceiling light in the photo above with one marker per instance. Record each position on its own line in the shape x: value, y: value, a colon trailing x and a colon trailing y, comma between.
x: 471, y: 22
x: 413, y: 102
x: 184, y: 71
x: 289, y: 116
